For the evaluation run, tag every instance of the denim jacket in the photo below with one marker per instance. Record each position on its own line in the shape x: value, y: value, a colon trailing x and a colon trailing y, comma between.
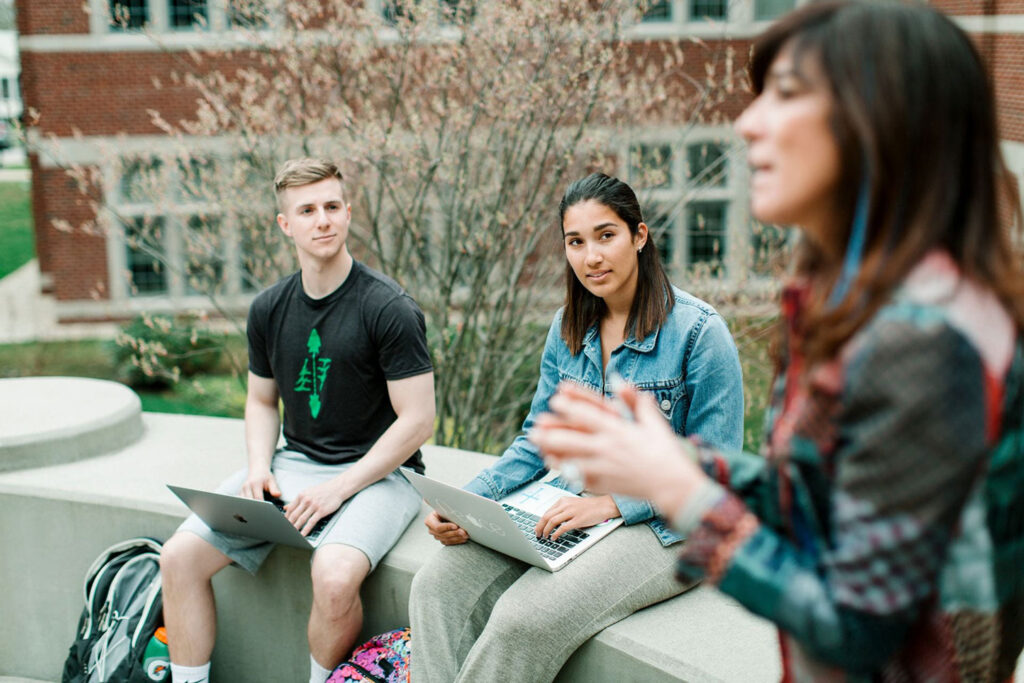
x: 691, y: 366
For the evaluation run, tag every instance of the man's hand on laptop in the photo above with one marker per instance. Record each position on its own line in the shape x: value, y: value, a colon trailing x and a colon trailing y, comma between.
x: 575, y: 513
x: 313, y: 504
x: 258, y: 482
x: 449, y: 533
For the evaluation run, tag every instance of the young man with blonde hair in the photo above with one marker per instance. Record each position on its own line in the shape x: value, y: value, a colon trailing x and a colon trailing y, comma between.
x: 344, y: 349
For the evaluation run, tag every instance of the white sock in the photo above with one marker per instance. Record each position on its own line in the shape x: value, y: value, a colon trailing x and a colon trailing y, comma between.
x: 190, y: 674
x: 317, y: 674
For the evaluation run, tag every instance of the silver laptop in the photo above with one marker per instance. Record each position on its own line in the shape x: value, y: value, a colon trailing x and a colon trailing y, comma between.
x: 259, y: 519
x: 507, y: 525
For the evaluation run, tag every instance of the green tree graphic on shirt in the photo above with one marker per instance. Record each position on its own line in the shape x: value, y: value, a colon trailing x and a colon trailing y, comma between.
x: 313, y: 373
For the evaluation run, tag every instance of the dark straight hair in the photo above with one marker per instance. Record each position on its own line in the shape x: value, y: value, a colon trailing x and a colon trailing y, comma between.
x: 653, y: 298
x: 914, y: 119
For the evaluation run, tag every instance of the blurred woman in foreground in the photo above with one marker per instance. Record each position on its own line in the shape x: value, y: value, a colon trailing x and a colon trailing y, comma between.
x: 883, y: 528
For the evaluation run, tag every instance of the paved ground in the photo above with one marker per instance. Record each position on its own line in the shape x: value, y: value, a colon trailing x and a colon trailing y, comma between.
x: 26, y: 315
x: 14, y: 175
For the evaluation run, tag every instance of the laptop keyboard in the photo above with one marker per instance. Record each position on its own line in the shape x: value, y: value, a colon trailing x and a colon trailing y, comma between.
x: 317, y: 528
x: 551, y: 550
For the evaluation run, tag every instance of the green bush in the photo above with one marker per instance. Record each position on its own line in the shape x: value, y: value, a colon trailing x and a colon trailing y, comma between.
x: 156, y: 351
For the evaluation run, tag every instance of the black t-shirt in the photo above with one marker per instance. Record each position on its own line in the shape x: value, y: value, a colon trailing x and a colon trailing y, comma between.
x: 331, y: 358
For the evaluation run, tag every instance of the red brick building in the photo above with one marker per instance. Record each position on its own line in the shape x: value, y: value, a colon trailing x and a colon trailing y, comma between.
x: 93, y: 83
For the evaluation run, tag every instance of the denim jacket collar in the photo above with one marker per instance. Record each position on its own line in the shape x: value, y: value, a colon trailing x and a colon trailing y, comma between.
x: 593, y: 350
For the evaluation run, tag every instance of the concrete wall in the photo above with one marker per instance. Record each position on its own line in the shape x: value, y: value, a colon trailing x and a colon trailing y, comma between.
x: 57, y: 519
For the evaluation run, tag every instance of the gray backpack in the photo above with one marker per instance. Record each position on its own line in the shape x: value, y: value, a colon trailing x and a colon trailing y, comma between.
x: 123, y: 608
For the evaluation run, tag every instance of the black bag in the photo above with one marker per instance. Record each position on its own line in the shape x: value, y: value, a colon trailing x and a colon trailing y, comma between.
x: 123, y: 608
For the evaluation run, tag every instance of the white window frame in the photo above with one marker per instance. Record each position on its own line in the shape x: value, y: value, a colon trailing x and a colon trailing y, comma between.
x: 739, y: 22
x: 160, y: 19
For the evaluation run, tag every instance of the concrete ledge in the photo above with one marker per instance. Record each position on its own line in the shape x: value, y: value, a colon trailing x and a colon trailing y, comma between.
x: 52, y: 420
x: 58, y: 518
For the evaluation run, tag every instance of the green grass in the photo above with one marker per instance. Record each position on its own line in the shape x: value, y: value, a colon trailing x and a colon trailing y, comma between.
x: 216, y: 395
x: 71, y: 358
x: 17, y: 246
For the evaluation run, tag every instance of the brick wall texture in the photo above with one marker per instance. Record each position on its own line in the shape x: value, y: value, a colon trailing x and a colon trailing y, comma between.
x: 107, y: 93
x: 76, y: 260
x: 979, y: 7
x: 1006, y: 58
x: 51, y: 17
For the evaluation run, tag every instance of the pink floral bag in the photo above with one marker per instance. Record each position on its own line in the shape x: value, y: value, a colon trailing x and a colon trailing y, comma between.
x: 381, y: 659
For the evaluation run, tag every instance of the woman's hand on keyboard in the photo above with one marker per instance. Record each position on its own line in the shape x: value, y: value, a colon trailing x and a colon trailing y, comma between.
x: 571, y: 512
x: 449, y: 533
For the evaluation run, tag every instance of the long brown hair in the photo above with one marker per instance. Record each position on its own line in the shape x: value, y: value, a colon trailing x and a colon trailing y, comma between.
x: 653, y: 299
x: 914, y: 118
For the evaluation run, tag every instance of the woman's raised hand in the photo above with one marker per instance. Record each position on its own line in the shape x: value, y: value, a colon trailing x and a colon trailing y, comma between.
x: 641, y: 457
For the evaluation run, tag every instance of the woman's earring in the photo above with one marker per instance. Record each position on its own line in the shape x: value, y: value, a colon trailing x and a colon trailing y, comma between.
x: 640, y: 250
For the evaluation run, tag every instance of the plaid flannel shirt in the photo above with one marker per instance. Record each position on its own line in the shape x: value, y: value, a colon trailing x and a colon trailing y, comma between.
x: 882, y: 529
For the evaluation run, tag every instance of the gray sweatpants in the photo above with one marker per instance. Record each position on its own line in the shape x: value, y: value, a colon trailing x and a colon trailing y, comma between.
x: 479, y: 615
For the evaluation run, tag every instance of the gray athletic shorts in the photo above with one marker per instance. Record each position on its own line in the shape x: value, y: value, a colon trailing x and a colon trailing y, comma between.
x: 371, y: 521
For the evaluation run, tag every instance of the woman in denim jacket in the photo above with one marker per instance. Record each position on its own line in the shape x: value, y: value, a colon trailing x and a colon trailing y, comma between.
x: 479, y: 615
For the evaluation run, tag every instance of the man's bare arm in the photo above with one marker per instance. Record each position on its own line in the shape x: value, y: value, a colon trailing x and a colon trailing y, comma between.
x: 262, y: 429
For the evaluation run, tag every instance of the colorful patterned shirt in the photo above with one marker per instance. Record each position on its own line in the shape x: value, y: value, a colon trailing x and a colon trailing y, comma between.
x: 882, y: 529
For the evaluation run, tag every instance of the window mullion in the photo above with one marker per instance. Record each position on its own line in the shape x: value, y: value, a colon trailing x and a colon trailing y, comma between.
x: 159, y: 16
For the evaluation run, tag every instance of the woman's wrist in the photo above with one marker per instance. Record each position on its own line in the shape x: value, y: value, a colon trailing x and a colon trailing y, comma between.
x: 609, y: 508
x: 679, y: 483
x: 689, y: 515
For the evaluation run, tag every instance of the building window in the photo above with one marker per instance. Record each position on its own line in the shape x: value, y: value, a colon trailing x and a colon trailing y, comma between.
x: 770, y: 9
x: 255, y: 250
x: 686, y: 198
x: 204, y: 255
x: 651, y: 166
x: 448, y: 11
x: 195, y: 178
x: 128, y: 15
x: 707, y: 162
x: 766, y: 242
x: 660, y: 228
x: 709, y: 9
x: 251, y: 14
x: 705, y: 234
x: 181, y: 16
x: 660, y: 10
x: 5, y: 88
x: 177, y: 237
x: 187, y: 14
x: 141, y: 178
x: 144, y: 241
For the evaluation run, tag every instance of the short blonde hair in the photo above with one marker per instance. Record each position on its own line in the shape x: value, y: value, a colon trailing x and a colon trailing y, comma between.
x: 304, y: 171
